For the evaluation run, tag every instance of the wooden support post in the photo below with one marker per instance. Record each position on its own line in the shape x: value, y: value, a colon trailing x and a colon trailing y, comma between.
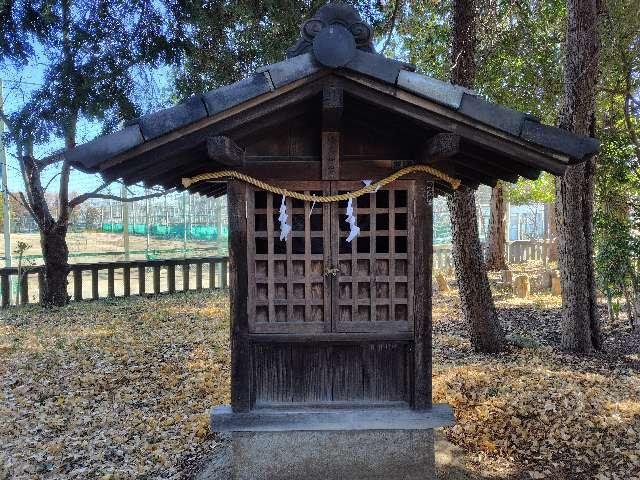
x: 212, y: 275
x: 171, y: 278
x: 77, y: 284
x: 126, y: 279
x: 41, y: 285
x: 185, y: 276
x: 6, y: 291
x: 95, y: 293
x: 111, y: 290
x: 240, y: 345
x: 24, y: 289
x: 223, y: 274
x: 142, y: 280
x: 156, y: 279
x: 199, y: 276
x: 423, y: 257
x: 332, y: 105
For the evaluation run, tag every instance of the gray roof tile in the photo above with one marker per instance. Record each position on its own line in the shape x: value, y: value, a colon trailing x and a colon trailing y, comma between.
x: 441, y: 92
x: 91, y: 154
x: 162, y: 122
x: 229, y: 96
x: 292, y: 69
x: 376, y: 66
x: 492, y: 114
x: 575, y: 146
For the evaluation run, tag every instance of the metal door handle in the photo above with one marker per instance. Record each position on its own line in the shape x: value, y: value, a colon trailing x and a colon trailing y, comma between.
x: 331, y: 272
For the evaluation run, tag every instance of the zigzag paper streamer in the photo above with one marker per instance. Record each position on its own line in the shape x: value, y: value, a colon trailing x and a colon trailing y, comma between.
x: 285, y: 228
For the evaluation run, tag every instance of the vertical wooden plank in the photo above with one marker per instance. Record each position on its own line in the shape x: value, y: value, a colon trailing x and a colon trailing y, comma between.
x: 199, y: 276
x: 171, y: 277
x: 224, y: 274
x: 142, y: 279
x: 24, y: 289
x: 238, y: 288
x: 423, y: 251
x: 77, y: 284
x: 185, y: 276
x: 41, y: 285
x: 6, y: 291
x: 212, y: 275
x: 156, y: 279
x: 111, y: 287
x: 126, y: 279
x: 95, y: 293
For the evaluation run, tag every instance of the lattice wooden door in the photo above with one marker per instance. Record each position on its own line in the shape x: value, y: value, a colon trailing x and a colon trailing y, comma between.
x: 373, y: 291
x: 316, y: 281
x: 288, y: 291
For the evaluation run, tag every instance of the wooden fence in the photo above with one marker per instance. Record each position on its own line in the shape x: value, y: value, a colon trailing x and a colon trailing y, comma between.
x: 518, y: 251
x: 144, y: 275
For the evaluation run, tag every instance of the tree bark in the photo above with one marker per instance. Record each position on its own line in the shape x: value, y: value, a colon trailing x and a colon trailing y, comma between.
x: 553, y: 233
x: 485, y: 331
x: 574, y: 190
x: 497, y: 230
x: 478, y: 309
x: 56, y: 261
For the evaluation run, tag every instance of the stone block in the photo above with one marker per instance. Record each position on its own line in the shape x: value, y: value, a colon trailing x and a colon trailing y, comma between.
x: 507, y: 276
x: 556, y: 289
x: 333, y: 455
x: 521, y: 286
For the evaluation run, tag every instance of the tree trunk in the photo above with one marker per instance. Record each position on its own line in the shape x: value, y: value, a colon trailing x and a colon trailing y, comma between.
x: 574, y: 190
x: 475, y: 295
x: 496, y: 240
x: 56, y: 261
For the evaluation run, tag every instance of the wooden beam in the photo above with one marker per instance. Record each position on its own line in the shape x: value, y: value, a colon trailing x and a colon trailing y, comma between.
x: 423, y: 221
x: 332, y: 107
x: 225, y: 151
x: 441, y: 145
x: 238, y: 288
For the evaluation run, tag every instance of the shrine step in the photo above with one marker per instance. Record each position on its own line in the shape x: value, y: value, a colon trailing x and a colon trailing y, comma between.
x: 223, y: 419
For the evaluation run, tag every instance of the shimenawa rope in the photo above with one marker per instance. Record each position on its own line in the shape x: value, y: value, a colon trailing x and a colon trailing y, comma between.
x: 372, y: 187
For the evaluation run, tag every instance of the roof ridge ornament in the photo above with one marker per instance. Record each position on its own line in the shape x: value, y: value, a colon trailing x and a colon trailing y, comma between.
x: 334, y: 34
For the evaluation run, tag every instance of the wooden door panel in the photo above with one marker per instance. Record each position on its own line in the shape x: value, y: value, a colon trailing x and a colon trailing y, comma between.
x: 288, y: 292
x: 373, y: 291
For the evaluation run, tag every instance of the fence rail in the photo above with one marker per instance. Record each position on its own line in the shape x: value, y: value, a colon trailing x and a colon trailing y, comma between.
x: 518, y: 251
x: 211, y: 272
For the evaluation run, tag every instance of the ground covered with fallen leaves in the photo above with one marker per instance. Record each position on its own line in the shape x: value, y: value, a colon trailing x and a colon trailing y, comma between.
x: 121, y: 390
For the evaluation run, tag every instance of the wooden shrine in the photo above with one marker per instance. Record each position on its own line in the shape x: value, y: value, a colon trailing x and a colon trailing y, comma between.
x: 330, y: 339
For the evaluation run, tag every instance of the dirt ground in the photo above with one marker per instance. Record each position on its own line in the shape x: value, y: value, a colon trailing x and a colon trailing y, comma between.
x: 122, y: 389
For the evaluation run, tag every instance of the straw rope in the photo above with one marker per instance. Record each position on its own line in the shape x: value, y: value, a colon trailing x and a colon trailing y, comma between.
x: 454, y: 182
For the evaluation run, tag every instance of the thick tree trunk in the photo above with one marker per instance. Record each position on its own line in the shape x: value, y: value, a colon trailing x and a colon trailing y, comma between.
x: 574, y: 190
x: 475, y: 295
x: 56, y: 261
x: 497, y: 225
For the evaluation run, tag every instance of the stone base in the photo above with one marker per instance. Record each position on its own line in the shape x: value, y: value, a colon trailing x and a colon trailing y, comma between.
x: 333, y: 455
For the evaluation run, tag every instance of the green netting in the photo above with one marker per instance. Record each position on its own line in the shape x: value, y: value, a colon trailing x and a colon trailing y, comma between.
x: 195, y: 232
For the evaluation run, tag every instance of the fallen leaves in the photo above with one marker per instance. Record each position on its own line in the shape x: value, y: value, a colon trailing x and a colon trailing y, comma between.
x: 113, y: 390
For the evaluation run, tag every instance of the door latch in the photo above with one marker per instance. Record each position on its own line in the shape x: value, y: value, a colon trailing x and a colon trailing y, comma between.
x: 331, y: 272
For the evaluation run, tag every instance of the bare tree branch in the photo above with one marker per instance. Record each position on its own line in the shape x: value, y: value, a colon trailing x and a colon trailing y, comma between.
x: 105, y: 196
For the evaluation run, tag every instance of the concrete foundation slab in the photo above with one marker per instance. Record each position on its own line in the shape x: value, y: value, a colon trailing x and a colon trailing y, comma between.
x: 333, y: 455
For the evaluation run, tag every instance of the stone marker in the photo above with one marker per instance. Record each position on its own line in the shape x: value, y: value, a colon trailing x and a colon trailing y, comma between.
x: 507, y: 276
x: 443, y: 286
x: 521, y: 286
x: 548, y: 276
x: 556, y: 289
